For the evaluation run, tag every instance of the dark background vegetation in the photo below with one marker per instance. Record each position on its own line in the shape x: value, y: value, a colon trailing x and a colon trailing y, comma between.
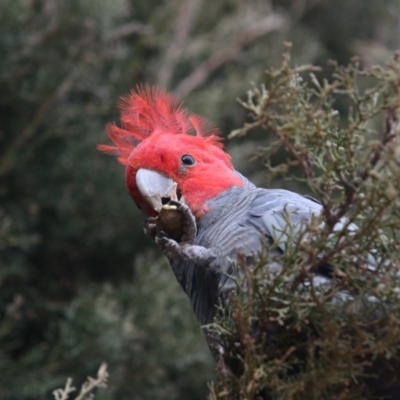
x: 79, y: 282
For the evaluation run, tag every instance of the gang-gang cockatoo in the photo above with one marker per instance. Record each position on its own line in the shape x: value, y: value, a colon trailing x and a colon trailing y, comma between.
x: 174, y: 161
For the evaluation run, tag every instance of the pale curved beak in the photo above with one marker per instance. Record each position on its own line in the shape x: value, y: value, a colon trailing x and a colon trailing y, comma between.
x: 154, y: 186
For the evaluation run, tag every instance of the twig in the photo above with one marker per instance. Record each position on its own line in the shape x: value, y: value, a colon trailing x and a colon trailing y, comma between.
x: 34, y: 39
x: 7, y: 159
x: 351, y: 190
x: 127, y: 30
x: 91, y: 383
x: 332, y: 218
x: 62, y: 394
x: 200, y: 74
x: 184, y: 23
x: 391, y: 123
x: 87, y: 387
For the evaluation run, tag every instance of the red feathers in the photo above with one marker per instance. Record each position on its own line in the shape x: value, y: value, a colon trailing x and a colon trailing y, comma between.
x: 155, y: 135
x: 152, y: 110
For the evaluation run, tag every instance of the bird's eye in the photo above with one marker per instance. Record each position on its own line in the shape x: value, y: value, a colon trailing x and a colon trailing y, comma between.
x: 187, y: 159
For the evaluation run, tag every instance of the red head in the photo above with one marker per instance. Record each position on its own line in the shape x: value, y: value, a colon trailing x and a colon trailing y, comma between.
x: 158, y: 135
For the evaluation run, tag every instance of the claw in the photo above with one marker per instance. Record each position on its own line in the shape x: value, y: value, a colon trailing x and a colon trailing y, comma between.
x: 149, y: 228
x: 184, y: 251
x: 178, y: 222
x: 161, y: 238
x: 168, y: 246
x: 175, y: 203
x: 189, y: 222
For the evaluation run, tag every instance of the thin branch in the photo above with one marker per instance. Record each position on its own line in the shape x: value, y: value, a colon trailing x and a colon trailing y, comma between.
x: 185, y: 21
x: 127, y: 30
x: 46, y: 108
x: 333, y: 218
x: 91, y: 383
x: 391, y: 123
x: 87, y: 387
x: 350, y: 190
x: 62, y: 394
x: 202, y: 72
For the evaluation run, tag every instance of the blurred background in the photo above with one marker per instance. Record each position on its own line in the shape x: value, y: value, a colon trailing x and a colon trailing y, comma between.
x: 79, y: 282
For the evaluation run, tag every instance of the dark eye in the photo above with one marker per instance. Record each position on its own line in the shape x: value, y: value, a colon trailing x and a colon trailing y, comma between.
x: 187, y: 160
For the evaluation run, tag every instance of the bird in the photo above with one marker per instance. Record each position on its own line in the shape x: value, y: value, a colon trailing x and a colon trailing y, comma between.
x: 203, y: 214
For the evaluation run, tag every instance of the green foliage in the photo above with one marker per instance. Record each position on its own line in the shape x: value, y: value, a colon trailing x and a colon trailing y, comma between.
x: 292, y: 338
x: 141, y: 329
x: 70, y: 238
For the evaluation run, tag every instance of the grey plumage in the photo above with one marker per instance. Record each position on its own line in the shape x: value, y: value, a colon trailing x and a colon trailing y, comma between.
x: 238, y: 221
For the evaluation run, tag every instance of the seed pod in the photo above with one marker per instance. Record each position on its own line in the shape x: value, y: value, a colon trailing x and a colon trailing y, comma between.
x: 170, y: 220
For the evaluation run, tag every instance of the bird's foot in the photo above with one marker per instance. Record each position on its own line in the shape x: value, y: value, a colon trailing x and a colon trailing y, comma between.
x: 149, y: 228
x: 185, y: 251
x: 189, y: 222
